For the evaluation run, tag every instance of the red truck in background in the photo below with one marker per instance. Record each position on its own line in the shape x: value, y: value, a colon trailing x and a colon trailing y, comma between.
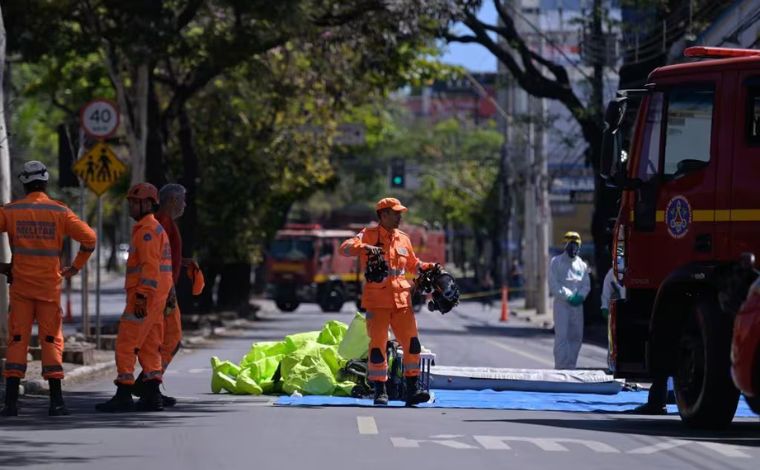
x: 690, y: 210
x: 303, y: 264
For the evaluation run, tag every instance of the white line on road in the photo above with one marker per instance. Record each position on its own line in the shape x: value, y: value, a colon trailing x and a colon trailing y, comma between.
x: 539, y: 359
x: 366, y: 425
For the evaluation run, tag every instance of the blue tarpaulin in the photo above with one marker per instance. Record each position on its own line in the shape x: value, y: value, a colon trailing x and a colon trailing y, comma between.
x: 509, y: 400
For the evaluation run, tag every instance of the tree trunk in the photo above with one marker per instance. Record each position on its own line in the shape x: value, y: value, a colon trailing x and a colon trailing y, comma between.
x: 189, y: 220
x: 234, y: 287
x: 155, y: 168
x: 5, y: 187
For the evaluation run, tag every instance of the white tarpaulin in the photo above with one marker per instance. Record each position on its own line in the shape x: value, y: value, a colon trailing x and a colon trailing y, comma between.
x: 527, y: 380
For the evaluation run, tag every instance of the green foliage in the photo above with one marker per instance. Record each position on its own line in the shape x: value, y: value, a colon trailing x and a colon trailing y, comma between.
x: 265, y: 84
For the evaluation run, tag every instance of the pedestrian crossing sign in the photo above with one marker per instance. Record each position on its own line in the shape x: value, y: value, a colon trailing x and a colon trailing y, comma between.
x: 99, y: 168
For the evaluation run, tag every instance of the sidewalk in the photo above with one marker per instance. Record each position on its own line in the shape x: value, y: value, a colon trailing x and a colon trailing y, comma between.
x: 104, y: 364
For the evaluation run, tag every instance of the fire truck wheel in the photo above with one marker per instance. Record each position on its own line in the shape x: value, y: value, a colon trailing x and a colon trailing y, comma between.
x: 705, y: 394
x: 286, y: 305
x: 332, y: 300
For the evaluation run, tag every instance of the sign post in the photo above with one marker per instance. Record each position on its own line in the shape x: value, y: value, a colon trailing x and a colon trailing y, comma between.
x: 99, y: 168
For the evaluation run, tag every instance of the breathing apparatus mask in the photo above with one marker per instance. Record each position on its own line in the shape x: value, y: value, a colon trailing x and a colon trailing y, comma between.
x: 443, y: 287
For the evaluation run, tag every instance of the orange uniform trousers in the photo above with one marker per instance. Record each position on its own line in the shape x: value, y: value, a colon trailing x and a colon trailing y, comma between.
x: 404, y: 326
x: 172, y: 337
x: 141, y: 337
x: 23, y: 312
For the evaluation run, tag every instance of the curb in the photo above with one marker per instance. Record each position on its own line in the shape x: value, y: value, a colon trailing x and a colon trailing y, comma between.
x: 83, y: 373
x: 40, y: 386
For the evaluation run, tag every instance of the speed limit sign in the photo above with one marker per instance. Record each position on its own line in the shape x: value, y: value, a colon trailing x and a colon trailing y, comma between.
x: 99, y: 118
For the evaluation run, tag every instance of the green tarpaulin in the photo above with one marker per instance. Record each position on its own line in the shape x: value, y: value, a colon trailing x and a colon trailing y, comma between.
x: 307, y: 363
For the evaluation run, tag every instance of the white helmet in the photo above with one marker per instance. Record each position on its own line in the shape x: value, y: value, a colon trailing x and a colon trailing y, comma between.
x: 33, y: 171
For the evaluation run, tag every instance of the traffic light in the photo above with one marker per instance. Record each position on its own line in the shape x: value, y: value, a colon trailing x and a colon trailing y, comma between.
x: 398, y: 176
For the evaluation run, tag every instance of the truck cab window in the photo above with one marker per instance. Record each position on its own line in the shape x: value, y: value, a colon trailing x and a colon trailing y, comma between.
x: 650, y: 150
x: 753, y: 115
x: 689, y: 131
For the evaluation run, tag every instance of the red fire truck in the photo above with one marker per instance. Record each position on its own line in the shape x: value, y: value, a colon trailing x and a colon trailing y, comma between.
x: 690, y: 208
x: 303, y: 264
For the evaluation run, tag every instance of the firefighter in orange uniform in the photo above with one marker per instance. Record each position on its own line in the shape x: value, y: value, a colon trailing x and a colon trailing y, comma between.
x: 389, y: 303
x: 171, y: 206
x: 148, y: 282
x: 36, y: 226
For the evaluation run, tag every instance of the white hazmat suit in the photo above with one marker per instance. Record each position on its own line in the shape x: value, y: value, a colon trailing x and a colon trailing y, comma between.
x: 569, y: 283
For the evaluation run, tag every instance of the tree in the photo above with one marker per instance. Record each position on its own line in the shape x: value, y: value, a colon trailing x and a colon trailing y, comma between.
x: 543, y: 78
x: 191, y: 46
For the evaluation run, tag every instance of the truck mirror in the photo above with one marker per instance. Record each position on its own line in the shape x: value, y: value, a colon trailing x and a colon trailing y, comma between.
x: 612, y: 158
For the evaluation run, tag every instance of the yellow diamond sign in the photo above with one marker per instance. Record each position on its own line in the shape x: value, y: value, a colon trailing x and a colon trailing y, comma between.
x: 99, y: 168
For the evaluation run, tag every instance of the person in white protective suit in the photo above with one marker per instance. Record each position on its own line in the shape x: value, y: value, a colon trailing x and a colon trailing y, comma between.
x: 569, y: 284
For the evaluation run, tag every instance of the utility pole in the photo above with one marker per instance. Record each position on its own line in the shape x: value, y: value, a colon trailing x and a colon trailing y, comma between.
x: 543, y: 213
x: 529, y: 218
x: 5, y: 188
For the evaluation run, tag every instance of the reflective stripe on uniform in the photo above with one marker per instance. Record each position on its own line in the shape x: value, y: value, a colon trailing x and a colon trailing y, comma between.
x: 149, y: 282
x: 131, y: 317
x: 55, y: 368
x: 42, y: 207
x: 134, y: 269
x: 15, y: 366
x: 86, y: 249
x: 165, y: 268
x: 20, y: 250
x: 412, y: 366
x: 125, y: 378
x: 376, y: 373
x: 153, y: 375
x: 396, y: 272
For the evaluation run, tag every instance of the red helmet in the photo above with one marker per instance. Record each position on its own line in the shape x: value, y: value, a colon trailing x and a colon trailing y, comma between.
x: 143, y: 191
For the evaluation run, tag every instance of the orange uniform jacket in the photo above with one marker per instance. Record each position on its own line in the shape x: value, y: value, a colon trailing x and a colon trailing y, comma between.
x: 393, y: 292
x: 36, y: 226
x: 149, y: 266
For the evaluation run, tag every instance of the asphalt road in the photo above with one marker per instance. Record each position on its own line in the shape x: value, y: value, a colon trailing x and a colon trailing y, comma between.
x: 207, y: 431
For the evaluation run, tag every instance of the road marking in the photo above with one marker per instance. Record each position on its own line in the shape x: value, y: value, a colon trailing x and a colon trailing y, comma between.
x: 366, y: 425
x: 405, y: 443
x: 667, y: 445
x: 548, y: 444
x: 520, y: 352
x: 202, y: 370
x: 727, y: 450
x: 557, y: 444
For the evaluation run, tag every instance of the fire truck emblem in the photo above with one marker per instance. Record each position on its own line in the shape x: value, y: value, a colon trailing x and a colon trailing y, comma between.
x: 678, y: 216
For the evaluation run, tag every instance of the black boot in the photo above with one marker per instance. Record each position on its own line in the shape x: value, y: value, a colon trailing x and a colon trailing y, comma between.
x: 11, y: 397
x: 168, y: 401
x: 120, y: 403
x: 381, y: 396
x: 138, y: 389
x: 414, y: 395
x: 57, y: 407
x: 151, y: 398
